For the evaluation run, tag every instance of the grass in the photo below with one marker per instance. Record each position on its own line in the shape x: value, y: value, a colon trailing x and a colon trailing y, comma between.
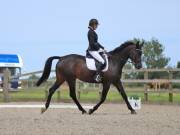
x: 86, y: 96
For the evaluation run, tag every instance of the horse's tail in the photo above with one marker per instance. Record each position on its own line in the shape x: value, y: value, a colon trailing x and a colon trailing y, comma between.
x: 47, y: 70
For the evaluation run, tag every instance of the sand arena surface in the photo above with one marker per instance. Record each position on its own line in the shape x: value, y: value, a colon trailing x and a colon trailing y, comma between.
x: 110, y: 119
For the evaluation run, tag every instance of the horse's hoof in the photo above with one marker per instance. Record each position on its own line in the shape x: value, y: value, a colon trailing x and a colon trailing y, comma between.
x: 133, y: 112
x: 84, y: 112
x: 43, y: 110
x: 90, y: 111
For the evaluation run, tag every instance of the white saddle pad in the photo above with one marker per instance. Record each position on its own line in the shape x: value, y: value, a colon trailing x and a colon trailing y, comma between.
x: 90, y: 62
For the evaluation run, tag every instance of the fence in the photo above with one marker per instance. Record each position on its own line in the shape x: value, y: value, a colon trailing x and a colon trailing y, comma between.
x: 146, y: 80
x: 30, y: 83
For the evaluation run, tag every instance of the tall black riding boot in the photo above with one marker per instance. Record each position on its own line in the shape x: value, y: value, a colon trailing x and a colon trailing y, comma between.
x: 98, y: 77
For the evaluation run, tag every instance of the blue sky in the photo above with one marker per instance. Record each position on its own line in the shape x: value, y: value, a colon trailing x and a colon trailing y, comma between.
x: 37, y: 29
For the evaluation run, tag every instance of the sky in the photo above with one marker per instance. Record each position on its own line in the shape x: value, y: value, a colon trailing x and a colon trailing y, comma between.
x: 38, y: 29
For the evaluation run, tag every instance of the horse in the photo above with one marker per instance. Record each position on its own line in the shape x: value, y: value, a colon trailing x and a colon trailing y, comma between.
x: 73, y: 66
x: 158, y: 84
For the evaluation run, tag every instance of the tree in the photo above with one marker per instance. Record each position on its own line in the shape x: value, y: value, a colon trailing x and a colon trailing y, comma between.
x: 178, y: 64
x: 129, y: 75
x: 177, y: 74
x: 128, y: 66
x: 33, y: 77
x: 154, y: 55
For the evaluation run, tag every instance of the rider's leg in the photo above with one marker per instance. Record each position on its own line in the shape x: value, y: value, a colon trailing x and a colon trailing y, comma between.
x: 101, y: 61
x: 97, y: 56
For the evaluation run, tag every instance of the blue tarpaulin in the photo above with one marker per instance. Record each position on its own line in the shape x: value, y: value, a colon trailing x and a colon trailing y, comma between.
x: 9, y: 58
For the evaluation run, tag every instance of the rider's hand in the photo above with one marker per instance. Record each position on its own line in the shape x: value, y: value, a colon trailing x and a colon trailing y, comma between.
x: 105, y: 51
x: 101, y: 50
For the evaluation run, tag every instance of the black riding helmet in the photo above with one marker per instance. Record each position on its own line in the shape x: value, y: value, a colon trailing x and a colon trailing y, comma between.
x: 93, y: 22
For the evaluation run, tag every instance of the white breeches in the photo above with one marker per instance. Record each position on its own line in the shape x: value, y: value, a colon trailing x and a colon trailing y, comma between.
x: 97, y: 56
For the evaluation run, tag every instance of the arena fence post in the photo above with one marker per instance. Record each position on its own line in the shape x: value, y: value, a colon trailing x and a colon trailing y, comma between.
x: 100, y: 91
x: 46, y: 94
x: 170, y: 87
x: 58, y: 95
x: 146, y: 87
x: 6, y: 85
x: 78, y: 94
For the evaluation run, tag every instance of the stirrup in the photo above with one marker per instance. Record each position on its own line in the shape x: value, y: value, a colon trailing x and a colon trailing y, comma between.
x: 98, y: 78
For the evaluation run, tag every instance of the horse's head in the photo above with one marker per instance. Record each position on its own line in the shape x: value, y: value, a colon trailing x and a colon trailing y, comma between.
x: 129, y: 50
x: 135, y: 55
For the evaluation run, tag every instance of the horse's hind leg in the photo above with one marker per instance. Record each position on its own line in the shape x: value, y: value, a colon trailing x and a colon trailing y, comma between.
x: 72, y: 88
x: 55, y: 86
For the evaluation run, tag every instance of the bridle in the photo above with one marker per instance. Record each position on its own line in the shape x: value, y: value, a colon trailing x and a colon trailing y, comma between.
x: 130, y: 61
x: 139, y: 50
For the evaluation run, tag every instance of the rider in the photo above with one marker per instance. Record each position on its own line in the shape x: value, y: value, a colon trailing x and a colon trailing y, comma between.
x: 95, y: 48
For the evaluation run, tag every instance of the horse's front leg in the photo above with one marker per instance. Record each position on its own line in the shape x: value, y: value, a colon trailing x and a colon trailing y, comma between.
x: 102, y: 99
x: 120, y: 88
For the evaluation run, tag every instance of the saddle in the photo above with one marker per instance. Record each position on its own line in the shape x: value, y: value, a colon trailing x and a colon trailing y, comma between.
x: 92, y: 63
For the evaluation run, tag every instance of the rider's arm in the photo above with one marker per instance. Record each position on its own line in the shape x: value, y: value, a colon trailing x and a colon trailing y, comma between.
x: 100, y: 46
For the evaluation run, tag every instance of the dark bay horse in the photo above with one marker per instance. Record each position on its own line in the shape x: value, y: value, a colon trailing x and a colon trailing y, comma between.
x: 72, y: 67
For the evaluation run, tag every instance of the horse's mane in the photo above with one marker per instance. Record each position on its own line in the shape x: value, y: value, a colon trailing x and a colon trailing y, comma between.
x: 121, y: 47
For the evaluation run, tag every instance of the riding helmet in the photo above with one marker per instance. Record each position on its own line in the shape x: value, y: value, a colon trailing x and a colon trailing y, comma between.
x: 93, y: 22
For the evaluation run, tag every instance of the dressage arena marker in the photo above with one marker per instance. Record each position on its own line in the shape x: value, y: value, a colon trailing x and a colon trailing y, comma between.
x: 69, y: 106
